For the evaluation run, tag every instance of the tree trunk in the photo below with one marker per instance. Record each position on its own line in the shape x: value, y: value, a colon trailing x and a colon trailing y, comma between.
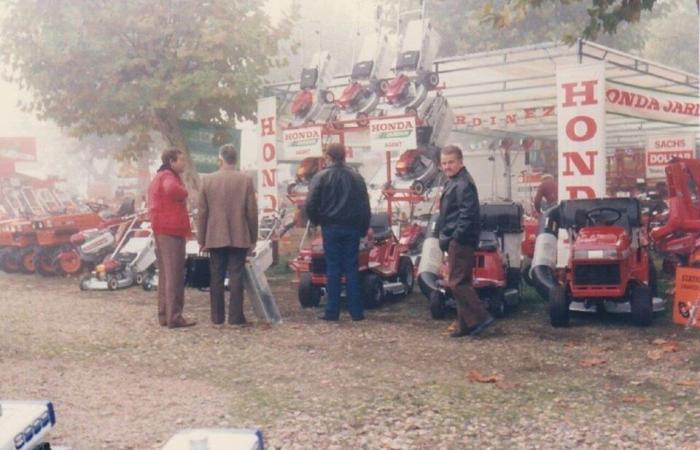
x: 166, y: 122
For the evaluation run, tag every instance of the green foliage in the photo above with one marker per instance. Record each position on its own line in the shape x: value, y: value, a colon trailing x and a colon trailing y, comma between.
x: 128, y: 67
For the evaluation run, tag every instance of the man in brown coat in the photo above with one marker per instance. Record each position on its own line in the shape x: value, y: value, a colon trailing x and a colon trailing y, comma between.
x: 227, y: 226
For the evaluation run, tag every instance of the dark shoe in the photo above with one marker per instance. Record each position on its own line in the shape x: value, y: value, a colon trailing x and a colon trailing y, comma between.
x: 238, y: 322
x: 477, y: 330
x: 184, y: 323
x: 328, y: 318
x: 358, y: 318
x: 459, y: 333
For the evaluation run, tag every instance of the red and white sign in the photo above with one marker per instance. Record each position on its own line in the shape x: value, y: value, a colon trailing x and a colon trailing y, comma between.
x: 396, y: 134
x: 662, y: 149
x: 302, y: 142
x: 581, y: 130
x: 18, y: 149
x: 506, y: 119
x: 652, y: 104
x: 267, y: 156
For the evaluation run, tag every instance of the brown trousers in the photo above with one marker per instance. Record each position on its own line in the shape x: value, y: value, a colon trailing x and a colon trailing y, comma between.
x: 170, y: 252
x: 227, y: 261
x: 470, y: 310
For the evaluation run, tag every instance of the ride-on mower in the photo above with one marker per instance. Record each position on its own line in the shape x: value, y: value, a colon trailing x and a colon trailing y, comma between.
x: 384, y: 267
x: 606, y: 266
x: 496, y: 272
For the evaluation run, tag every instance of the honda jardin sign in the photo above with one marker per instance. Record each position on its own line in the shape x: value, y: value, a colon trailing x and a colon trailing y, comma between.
x: 395, y: 135
x: 204, y: 140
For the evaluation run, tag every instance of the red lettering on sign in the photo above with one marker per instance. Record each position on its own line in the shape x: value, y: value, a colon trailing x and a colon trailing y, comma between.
x: 269, y: 177
x: 581, y: 167
x: 271, y: 201
x: 510, y: 118
x: 269, y: 152
x: 460, y: 120
x: 591, y: 128
x: 267, y: 126
x: 574, y: 191
x: 588, y: 93
x: 530, y: 112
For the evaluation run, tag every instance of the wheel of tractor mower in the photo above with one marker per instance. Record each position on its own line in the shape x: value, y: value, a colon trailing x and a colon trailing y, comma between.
x: 558, y: 307
x: 26, y: 263
x: 372, y: 291
x: 437, y: 305
x: 418, y: 187
x: 405, y: 275
x: 84, y: 282
x: 112, y: 283
x: 139, y: 278
x: 496, y: 303
x: 653, y: 279
x: 641, y: 305
x: 309, y: 295
x: 10, y: 262
x: 45, y: 261
x: 69, y: 261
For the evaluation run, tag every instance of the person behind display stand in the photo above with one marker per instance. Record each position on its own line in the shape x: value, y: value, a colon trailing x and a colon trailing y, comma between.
x: 547, y: 191
x: 167, y: 207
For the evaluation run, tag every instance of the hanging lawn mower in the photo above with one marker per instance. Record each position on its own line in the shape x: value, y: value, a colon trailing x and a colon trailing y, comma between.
x: 496, y: 272
x: 384, y: 267
x: 414, y: 78
x: 604, y: 254
x: 314, y: 101
x: 419, y: 169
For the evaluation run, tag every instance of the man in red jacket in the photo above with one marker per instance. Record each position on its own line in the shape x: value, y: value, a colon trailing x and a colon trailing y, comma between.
x: 167, y: 205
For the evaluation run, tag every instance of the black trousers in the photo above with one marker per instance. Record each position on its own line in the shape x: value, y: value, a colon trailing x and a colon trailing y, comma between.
x: 222, y: 262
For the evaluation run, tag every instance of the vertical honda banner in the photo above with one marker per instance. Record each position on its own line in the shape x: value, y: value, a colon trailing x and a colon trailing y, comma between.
x: 267, y: 156
x: 581, y: 130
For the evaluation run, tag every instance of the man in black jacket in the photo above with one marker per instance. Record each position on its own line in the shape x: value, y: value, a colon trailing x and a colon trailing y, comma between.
x: 458, y: 227
x: 339, y: 202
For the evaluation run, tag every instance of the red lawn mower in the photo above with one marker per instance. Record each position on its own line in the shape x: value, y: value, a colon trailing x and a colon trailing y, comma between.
x: 606, y: 266
x: 384, y: 267
x: 17, y: 241
x: 496, y: 273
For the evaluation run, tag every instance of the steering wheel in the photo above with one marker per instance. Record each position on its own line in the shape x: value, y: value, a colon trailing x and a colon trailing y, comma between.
x: 603, y: 216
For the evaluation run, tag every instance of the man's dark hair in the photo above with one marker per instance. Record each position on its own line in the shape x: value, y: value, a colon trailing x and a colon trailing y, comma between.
x: 453, y: 150
x: 170, y: 155
x: 228, y: 153
x: 336, y: 152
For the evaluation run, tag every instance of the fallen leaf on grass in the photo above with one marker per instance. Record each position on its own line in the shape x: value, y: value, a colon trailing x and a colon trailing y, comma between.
x: 570, y: 344
x: 598, y: 350
x: 505, y: 385
x: 671, y: 347
x: 452, y: 327
x: 477, y: 377
x: 634, y: 399
x: 655, y: 355
x: 690, y: 383
x: 592, y: 362
x: 659, y: 341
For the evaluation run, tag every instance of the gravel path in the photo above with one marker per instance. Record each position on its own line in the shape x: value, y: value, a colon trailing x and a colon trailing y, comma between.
x: 394, y: 381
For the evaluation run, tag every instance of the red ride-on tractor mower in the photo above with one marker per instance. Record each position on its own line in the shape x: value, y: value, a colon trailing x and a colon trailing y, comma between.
x: 607, y: 263
x: 496, y: 272
x: 384, y: 267
x: 18, y: 241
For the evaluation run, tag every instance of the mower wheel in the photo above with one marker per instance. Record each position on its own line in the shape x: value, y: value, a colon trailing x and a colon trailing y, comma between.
x: 45, y: 261
x: 418, y: 187
x: 433, y: 80
x: 10, y: 262
x: 496, y: 303
x: 653, y: 277
x: 26, y: 261
x: 372, y: 291
x: 84, y: 282
x: 558, y: 307
x: 437, y: 305
x: 69, y: 261
x: 147, y: 284
x: 139, y: 278
x: 328, y: 96
x: 309, y: 295
x: 641, y: 305
x: 405, y: 275
x: 112, y: 283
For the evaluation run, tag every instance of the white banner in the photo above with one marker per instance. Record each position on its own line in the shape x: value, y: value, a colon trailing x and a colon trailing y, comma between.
x: 662, y: 149
x: 581, y: 130
x: 652, y: 104
x: 396, y: 134
x: 267, y: 156
x: 302, y: 142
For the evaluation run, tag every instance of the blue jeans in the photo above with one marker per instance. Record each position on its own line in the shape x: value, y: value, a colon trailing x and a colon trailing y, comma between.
x: 341, y: 244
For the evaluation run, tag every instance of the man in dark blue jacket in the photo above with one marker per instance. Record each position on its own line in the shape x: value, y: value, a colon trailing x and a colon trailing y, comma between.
x: 458, y: 227
x: 339, y: 202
